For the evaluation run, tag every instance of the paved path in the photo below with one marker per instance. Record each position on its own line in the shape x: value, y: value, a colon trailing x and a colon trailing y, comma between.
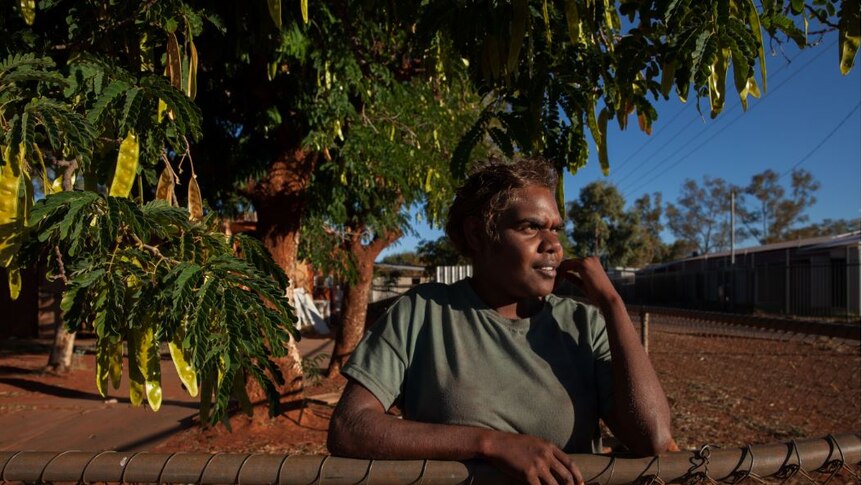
x: 54, y: 416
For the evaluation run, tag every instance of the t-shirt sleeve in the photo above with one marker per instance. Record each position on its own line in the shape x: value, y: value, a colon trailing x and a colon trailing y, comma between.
x: 602, y: 356
x: 380, y: 360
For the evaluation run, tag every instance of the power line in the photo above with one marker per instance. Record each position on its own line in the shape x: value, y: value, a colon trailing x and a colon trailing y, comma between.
x: 734, y: 107
x: 650, y: 139
x: 673, y: 138
x: 822, y: 142
x: 730, y: 123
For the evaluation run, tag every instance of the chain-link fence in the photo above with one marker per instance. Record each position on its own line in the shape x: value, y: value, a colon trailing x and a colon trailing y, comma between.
x: 815, y: 460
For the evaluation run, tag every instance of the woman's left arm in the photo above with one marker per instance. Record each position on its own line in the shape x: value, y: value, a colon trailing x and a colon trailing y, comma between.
x: 640, y: 416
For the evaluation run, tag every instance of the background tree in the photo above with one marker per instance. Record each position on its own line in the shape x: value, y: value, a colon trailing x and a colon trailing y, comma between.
x: 439, y: 252
x: 701, y: 217
x: 826, y: 227
x: 649, y: 213
x: 602, y: 226
x: 773, y: 212
x: 404, y: 258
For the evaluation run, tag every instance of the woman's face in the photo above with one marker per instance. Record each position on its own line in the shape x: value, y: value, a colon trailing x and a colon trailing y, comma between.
x: 522, y: 262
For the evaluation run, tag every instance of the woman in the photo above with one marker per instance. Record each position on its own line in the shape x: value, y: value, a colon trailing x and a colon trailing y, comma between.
x: 496, y: 366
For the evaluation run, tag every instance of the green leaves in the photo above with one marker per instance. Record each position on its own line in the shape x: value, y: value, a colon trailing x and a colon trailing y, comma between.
x: 146, y: 275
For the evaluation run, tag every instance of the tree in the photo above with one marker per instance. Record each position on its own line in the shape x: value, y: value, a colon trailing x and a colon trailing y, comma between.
x: 649, y: 213
x: 550, y: 71
x: 88, y: 120
x: 328, y: 128
x: 775, y: 213
x: 360, y: 197
x: 404, y: 258
x: 286, y: 98
x: 603, y: 227
x: 701, y: 217
x: 826, y: 227
x: 439, y: 252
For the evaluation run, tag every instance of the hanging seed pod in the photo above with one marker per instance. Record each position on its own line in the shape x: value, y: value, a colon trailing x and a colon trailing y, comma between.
x: 174, y: 62
x: 192, y: 81
x: 28, y: 11
x: 185, y: 371
x: 127, y: 167
x: 196, y: 208
x: 165, y: 187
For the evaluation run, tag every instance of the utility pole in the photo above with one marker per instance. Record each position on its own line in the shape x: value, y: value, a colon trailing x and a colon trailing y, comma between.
x: 732, y: 227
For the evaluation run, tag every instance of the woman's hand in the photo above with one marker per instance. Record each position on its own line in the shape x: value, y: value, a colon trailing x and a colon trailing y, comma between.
x: 531, y: 459
x: 588, y: 276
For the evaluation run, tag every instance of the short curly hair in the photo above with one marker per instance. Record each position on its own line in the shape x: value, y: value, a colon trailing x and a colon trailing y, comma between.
x: 489, y: 190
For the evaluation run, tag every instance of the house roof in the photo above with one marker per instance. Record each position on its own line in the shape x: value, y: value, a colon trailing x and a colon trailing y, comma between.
x: 398, y: 267
x: 804, y: 245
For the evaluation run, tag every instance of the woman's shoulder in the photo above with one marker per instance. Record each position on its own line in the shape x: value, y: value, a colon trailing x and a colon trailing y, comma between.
x: 575, y: 311
x: 435, y: 293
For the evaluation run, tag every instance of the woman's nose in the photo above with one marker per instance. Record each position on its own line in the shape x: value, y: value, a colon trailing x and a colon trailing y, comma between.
x: 550, y: 243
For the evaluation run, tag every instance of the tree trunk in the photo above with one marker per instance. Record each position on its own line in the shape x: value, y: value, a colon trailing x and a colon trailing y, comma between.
x: 280, y: 202
x: 60, y: 359
x: 352, y: 327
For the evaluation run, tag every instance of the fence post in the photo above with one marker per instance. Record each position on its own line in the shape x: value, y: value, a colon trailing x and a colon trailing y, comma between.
x: 787, y: 281
x: 645, y: 330
x: 847, y: 281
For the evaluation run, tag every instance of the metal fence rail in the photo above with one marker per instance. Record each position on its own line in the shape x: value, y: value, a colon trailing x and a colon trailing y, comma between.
x: 828, y: 455
x: 695, y: 321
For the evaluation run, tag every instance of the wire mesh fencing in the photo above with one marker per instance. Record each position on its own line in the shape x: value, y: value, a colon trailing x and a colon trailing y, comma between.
x: 815, y: 460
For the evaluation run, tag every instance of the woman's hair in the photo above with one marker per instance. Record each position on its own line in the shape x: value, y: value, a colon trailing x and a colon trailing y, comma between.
x: 489, y: 190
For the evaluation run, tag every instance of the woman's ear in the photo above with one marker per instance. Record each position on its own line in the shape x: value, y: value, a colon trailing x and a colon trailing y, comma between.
x: 474, y: 234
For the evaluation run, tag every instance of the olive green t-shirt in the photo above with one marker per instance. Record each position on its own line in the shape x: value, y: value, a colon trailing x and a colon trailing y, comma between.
x: 445, y: 357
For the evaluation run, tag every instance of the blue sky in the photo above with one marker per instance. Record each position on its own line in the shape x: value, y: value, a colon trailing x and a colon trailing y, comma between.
x: 809, y: 117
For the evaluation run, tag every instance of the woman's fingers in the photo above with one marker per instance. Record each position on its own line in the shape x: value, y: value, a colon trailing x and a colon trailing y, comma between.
x: 572, y: 470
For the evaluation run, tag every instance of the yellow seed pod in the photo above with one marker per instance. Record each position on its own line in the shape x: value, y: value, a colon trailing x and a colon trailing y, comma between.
x: 275, y: 12
x: 10, y: 184
x: 115, y: 364
x: 127, y: 167
x: 28, y: 11
x: 109, y: 363
x: 148, y: 372
x: 196, y: 207
x: 14, y: 283
x: 136, y: 377
x: 153, y: 373
x: 185, y: 370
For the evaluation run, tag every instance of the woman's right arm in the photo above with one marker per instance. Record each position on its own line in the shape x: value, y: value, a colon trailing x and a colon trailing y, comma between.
x: 360, y: 428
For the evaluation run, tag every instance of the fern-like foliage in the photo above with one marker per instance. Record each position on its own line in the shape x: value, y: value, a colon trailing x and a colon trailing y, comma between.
x: 134, y: 270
